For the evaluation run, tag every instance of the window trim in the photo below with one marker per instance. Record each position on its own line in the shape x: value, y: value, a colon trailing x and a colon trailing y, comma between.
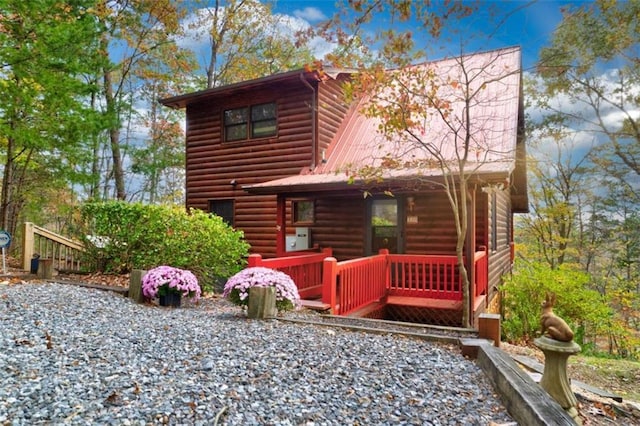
x: 250, y: 124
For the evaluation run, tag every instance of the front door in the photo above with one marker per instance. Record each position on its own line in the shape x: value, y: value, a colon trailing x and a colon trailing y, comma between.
x: 385, y: 226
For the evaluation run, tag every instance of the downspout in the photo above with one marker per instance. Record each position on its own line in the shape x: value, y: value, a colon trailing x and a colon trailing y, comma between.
x: 314, y: 142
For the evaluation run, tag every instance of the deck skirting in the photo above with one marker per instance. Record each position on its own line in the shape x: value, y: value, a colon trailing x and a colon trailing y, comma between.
x: 425, y: 302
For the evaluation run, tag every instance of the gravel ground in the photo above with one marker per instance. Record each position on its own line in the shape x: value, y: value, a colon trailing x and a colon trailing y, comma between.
x: 71, y: 355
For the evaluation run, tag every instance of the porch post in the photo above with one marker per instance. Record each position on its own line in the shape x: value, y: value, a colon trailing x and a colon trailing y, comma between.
x: 471, y: 253
x: 387, y: 270
x: 27, y: 245
x: 329, y: 283
x: 281, y: 226
x: 254, y: 260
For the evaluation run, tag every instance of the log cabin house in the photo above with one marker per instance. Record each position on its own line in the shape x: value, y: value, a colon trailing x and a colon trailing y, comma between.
x: 272, y: 156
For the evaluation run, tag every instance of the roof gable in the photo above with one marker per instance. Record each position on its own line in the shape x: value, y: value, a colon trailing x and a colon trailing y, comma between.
x: 182, y: 101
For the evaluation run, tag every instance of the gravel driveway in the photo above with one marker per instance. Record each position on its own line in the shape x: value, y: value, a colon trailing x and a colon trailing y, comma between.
x: 71, y: 355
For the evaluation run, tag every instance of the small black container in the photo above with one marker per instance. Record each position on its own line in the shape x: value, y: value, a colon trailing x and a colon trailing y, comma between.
x: 35, y: 260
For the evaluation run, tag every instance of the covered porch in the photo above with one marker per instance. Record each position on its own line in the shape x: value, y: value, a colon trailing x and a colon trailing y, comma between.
x: 412, y: 288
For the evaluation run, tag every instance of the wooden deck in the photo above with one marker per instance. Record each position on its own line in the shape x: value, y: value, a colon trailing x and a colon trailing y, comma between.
x: 360, y: 286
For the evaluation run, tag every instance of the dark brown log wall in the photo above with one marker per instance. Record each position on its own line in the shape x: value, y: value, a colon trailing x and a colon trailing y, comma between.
x: 482, y: 219
x: 340, y: 225
x: 212, y: 164
x: 332, y: 108
x: 500, y: 256
x: 435, y: 232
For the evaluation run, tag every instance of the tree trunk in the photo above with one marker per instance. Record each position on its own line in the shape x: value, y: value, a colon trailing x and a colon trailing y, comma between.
x: 154, y: 172
x: 462, y: 238
x: 94, y: 185
x: 114, y: 138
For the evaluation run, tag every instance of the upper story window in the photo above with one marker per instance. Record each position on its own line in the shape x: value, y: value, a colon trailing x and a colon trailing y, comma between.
x: 257, y: 121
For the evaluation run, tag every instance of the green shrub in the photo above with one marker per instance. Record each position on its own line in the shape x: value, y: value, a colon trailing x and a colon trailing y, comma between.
x: 121, y: 236
x: 582, y: 308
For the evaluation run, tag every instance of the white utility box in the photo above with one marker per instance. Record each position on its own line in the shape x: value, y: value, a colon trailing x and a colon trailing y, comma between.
x: 300, y: 241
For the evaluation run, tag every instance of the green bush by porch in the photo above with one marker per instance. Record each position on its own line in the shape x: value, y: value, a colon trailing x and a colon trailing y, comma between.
x: 120, y: 236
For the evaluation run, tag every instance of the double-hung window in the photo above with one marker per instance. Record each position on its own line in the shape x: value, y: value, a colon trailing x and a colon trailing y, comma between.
x: 236, y: 124
x: 256, y: 121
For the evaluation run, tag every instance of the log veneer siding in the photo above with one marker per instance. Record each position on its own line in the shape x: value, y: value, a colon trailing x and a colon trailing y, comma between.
x: 212, y: 164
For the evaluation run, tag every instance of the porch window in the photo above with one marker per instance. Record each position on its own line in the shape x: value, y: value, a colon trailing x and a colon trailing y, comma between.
x: 303, y: 212
x: 257, y: 121
x: 224, y: 209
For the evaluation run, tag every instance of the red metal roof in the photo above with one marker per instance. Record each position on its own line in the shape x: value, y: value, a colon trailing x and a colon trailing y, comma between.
x: 493, y: 80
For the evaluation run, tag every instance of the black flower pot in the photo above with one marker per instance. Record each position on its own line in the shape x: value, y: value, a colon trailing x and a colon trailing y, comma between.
x: 171, y: 299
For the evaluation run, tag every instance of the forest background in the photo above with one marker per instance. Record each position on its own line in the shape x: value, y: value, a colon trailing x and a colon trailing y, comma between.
x: 80, y: 118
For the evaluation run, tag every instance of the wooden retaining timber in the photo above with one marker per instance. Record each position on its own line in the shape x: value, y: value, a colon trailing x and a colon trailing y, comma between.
x: 527, y: 402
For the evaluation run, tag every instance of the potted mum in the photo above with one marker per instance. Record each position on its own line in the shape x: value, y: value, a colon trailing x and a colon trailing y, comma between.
x: 237, y: 287
x: 169, y: 284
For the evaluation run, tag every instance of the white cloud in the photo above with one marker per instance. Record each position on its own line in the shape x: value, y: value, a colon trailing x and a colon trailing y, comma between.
x: 587, y: 122
x: 311, y: 14
x: 613, y: 119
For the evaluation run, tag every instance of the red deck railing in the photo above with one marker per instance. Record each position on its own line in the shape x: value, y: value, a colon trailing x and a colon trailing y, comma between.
x: 428, y: 276
x: 352, y: 284
x: 360, y: 282
x: 305, y: 270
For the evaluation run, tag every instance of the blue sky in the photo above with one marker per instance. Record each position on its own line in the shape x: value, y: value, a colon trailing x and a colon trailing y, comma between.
x: 496, y: 24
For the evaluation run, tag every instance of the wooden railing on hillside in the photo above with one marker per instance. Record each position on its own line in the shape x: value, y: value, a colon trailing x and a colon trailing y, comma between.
x: 65, y: 253
x: 304, y: 269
